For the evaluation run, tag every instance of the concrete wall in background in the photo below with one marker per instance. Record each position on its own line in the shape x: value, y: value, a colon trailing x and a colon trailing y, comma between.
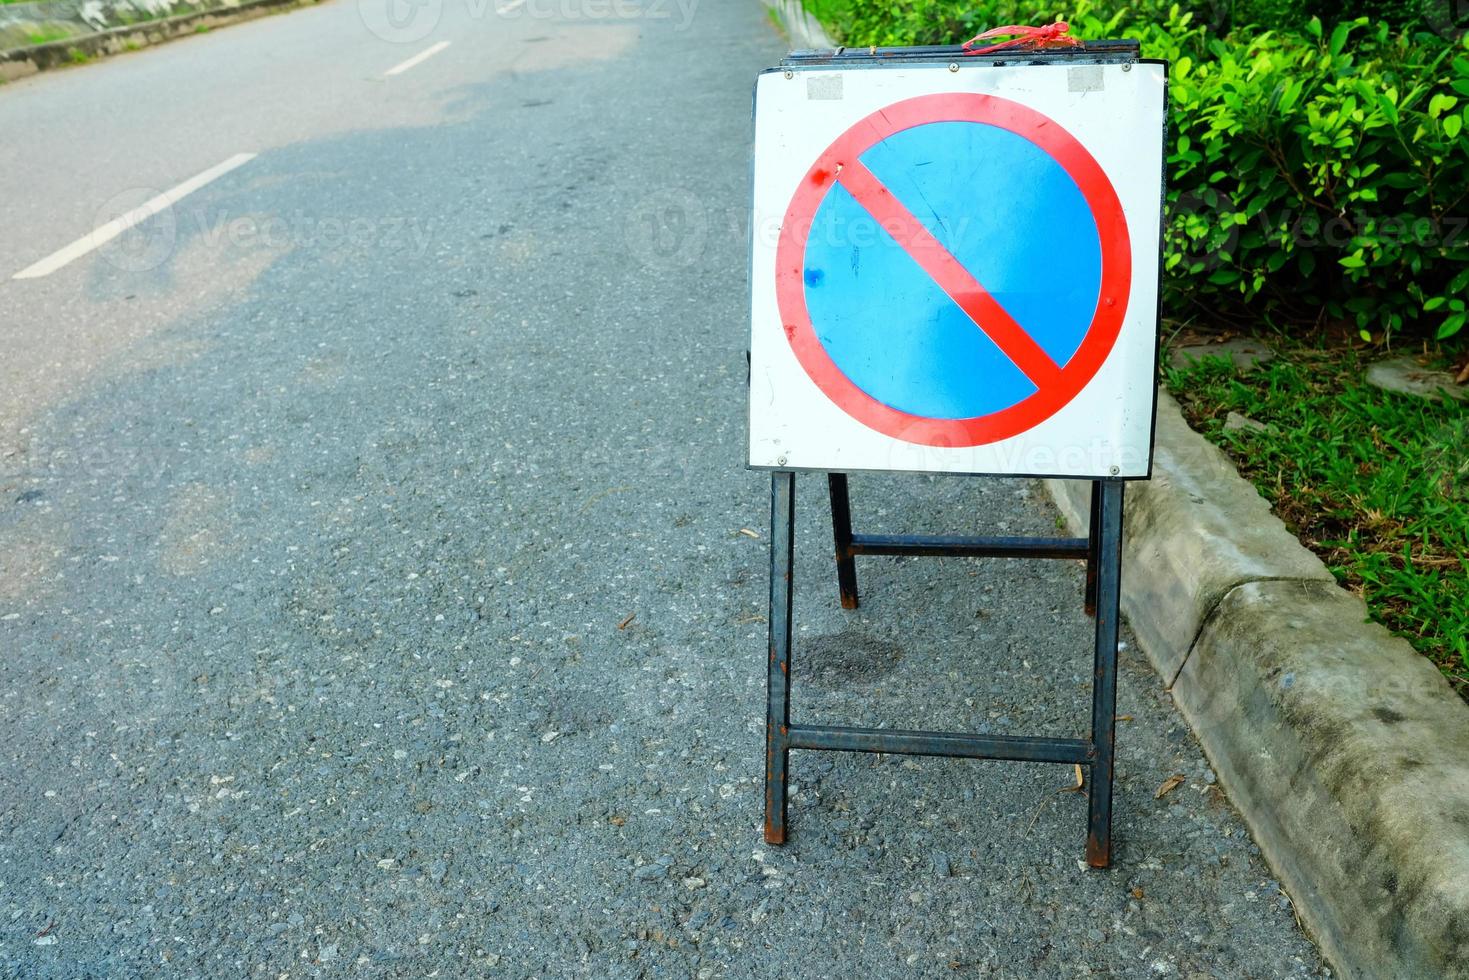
x: 39, y: 35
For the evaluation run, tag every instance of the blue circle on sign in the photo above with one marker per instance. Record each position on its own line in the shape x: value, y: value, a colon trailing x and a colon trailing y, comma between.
x: 1009, y: 213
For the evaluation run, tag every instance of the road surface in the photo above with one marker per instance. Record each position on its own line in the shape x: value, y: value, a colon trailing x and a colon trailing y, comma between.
x: 382, y: 592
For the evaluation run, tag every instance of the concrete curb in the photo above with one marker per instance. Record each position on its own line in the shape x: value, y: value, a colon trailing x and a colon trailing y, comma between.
x: 1346, y: 751
x: 805, y: 31
x: 20, y: 62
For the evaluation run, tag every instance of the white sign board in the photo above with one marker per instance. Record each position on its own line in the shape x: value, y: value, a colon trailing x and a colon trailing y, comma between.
x: 955, y: 267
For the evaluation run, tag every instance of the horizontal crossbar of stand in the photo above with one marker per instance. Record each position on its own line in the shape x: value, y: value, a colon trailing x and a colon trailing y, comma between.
x: 947, y: 547
x: 1007, y: 747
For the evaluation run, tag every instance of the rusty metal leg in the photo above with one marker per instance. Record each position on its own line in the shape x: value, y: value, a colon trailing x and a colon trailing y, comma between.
x: 778, y: 682
x: 1093, y: 534
x: 1104, y: 677
x: 841, y: 527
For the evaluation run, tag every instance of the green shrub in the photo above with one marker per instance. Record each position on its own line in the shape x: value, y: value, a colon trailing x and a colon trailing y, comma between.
x: 1317, y: 177
x: 1295, y: 14
x: 941, y: 21
x: 1315, y: 174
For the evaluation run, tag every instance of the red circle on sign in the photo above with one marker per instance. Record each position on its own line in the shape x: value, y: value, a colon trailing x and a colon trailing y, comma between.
x: 1068, y: 381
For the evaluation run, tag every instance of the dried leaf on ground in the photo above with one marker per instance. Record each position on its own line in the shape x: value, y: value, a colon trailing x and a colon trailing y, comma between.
x: 1169, y: 785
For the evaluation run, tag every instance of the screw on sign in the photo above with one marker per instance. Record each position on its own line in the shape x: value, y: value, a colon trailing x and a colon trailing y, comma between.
x: 1011, y: 324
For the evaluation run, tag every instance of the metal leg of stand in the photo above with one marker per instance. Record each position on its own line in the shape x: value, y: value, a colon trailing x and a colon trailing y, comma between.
x: 1103, y: 550
x: 1093, y: 534
x: 1104, y: 677
x: 841, y: 527
x: 778, y: 690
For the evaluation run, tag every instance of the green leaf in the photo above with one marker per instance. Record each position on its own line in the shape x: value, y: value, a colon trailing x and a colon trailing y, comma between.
x: 1452, y: 125
x: 1451, y: 326
x: 1434, y: 303
x: 1388, y: 109
x: 1288, y: 96
x: 1339, y: 38
x: 1313, y: 27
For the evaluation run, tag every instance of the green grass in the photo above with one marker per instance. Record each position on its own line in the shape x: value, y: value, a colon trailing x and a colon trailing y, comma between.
x: 1375, y: 483
x: 46, y: 37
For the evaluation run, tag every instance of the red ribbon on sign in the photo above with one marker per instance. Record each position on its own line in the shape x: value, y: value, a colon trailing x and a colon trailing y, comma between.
x: 1055, y: 35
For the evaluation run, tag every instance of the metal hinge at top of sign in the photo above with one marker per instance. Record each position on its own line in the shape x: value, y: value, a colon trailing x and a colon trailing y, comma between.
x: 1121, y: 52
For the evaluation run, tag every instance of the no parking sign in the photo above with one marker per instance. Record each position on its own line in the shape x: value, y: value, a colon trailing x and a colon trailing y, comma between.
x: 955, y: 266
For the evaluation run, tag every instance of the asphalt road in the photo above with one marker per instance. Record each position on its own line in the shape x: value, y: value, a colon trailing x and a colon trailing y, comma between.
x: 375, y: 597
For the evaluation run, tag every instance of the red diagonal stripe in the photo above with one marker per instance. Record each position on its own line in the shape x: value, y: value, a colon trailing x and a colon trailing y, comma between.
x: 950, y: 275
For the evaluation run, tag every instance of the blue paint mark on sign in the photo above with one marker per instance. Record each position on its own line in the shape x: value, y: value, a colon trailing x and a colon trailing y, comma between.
x: 1009, y: 213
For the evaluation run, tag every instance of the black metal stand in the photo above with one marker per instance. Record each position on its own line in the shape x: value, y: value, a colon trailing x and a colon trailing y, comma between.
x: 1102, y: 549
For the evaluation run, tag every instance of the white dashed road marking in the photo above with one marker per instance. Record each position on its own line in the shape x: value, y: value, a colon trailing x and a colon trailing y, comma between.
x: 105, y: 233
x: 417, y: 59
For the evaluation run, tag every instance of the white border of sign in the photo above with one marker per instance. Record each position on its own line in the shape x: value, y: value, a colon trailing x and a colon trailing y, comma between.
x: 1116, y: 111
